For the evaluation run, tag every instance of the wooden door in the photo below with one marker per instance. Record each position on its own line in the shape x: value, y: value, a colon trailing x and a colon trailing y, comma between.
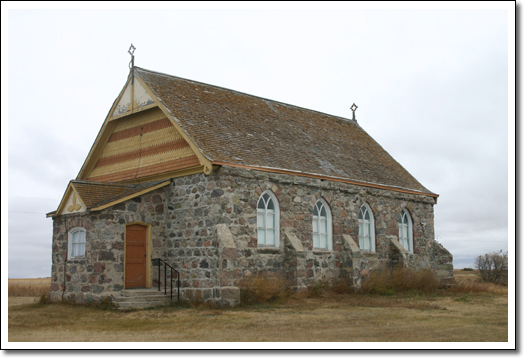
x: 136, y: 259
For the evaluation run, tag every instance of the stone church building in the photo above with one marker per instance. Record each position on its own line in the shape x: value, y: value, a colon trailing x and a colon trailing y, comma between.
x: 221, y: 185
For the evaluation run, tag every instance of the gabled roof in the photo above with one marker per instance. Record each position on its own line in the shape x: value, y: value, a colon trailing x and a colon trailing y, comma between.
x: 99, y: 195
x: 93, y: 192
x: 238, y: 129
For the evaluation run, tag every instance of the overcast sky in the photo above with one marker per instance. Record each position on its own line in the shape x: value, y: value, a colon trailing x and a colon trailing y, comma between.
x: 431, y: 87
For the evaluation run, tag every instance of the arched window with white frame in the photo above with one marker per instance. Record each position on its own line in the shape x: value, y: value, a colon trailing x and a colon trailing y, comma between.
x: 268, y: 219
x: 322, y: 236
x: 366, y: 229
x: 76, y: 243
x: 405, y: 230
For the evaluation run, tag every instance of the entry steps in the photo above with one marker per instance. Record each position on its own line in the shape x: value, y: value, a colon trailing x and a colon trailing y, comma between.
x: 141, y: 298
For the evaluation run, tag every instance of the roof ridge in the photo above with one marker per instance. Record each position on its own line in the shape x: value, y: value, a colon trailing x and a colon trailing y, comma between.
x: 250, y: 95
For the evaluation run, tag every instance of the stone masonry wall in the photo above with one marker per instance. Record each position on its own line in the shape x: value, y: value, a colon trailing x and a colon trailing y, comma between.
x: 194, y: 207
x: 191, y: 218
x: 229, y: 196
x: 100, y: 272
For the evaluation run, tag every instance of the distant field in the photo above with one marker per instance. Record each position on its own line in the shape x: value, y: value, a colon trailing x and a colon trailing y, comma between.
x: 30, y: 280
x: 460, y: 272
x: 28, y: 287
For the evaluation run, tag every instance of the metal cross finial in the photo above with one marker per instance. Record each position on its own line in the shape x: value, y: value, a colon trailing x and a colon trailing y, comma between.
x: 354, y: 108
x: 131, y: 51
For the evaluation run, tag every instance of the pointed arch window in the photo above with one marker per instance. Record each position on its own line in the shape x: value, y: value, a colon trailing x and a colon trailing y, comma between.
x: 366, y: 229
x: 76, y: 243
x: 405, y: 231
x: 322, y: 237
x: 268, y: 220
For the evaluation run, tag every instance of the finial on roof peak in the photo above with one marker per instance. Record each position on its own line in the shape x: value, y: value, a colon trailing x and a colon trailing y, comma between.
x: 354, y: 108
x: 131, y: 51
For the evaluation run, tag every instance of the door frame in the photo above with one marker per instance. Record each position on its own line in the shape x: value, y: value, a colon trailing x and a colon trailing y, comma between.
x: 148, y: 251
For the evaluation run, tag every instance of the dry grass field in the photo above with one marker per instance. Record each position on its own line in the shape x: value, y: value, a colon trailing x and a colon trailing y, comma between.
x: 470, y: 312
x: 27, y: 287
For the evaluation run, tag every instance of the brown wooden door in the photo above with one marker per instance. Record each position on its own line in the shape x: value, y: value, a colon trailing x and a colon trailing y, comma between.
x: 136, y: 256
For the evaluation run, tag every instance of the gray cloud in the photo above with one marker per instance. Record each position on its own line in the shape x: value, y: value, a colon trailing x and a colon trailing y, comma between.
x: 431, y: 86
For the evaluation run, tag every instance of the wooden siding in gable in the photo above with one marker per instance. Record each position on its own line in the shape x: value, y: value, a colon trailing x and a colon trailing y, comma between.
x: 142, y: 145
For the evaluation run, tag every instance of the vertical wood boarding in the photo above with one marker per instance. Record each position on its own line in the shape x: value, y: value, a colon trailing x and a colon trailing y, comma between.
x: 136, y: 256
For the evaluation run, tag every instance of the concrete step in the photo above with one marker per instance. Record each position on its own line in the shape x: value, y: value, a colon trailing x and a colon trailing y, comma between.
x: 141, y: 298
x: 134, y: 292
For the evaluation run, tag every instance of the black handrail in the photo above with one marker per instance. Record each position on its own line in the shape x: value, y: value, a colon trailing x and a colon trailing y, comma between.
x: 158, y: 261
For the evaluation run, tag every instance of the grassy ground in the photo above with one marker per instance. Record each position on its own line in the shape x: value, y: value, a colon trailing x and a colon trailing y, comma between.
x: 463, y: 315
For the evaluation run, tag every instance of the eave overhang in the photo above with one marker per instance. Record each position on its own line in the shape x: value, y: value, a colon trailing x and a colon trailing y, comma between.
x: 325, y: 177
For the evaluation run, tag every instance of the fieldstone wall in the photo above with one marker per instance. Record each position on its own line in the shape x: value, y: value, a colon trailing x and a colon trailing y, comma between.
x: 100, y: 273
x: 194, y: 208
x: 201, y: 208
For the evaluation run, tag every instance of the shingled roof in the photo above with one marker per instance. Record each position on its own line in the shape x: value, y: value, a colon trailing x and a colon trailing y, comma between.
x: 93, y: 192
x: 97, y: 195
x: 231, y: 127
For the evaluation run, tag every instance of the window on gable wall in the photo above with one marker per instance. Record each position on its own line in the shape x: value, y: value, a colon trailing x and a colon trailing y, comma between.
x: 366, y: 229
x: 405, y: 231
x: 321, y: 226
x: 76, y: 243
x: 268, y: 218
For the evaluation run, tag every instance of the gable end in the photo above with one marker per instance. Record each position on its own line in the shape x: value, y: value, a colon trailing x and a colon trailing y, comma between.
x: 141, y: 145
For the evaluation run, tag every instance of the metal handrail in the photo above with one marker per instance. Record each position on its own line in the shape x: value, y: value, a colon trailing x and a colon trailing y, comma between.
x: 158, y: 261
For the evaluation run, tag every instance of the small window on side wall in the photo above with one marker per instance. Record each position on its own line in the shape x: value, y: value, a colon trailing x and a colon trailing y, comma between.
x: 268, y: 220
x: 76, y: 243
x: 322, y: 237
x: 366, y: 229
x: 405, y: 231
